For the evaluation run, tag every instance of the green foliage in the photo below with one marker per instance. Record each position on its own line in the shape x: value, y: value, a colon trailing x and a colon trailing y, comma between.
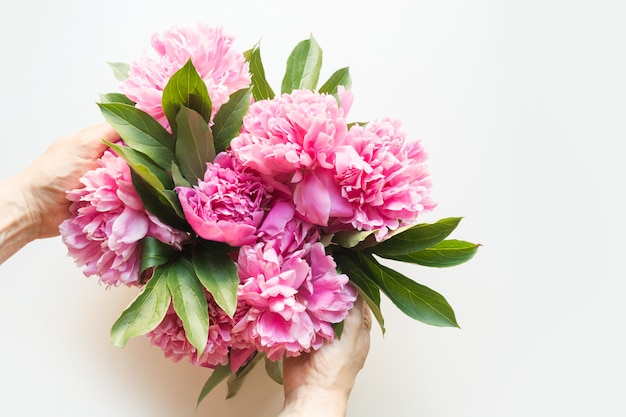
x: 415, y: 238
x: 236, y: 380
x: 229, y: 118
x: 274, y: 370
x: 413, y: 299
x: 120, y: 70
x: 140, y: 131
x: 189, y: 302
x: 341, y: 77
x: 261, y: 89
x: 303, y: 67
x: 144, y: 313
x: 218, y: 274
x: 194, y: 144
x: 442, y: 255
x: 219, y: 374
x: 186, y: 88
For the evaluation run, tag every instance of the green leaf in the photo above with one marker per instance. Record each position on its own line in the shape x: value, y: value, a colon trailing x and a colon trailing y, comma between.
x: 116, y: 98
x: 220, y: 373
x: 144, y: 313
x: 261, y: 89
x: 303, y: 67
x: 338, y: 328
x: 415, y: 300
x: 190, y: 302
x: 274, y: 370
x: 339, y: 77
x: 236, y: 380
x: 164, y: 204
x: 415, y: 238
x: 229, y: 118
x: 218, y: 273
x: 177, y: 177
x: 120, y: 70
x: 143, y: 166
x: 186, y: 88
x: 194, y: 144
x: 140, y: 131
x: 348, y: 263
x: 350, y: 238
x: 444, y: 254
x: 153, y: 253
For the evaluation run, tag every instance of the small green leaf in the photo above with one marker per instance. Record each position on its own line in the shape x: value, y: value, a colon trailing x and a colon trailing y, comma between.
x: 339, y: 77
x: 303, y: 67
x: 140, y: 131
x: 144, y: 313
x: 220, y: 373
x: 338, y: 328
x: 229, y: 118
x: 274, y: 370
x: 261, y: 89
x: 194, y: 144
x: 415, y: 300
x: 236, y: 380
x: 444, y: 254
x: 164, y: 204
x: 348, y: 263
x: 350, y: 238
x: 218, y: 273
x: 120, y: 70
x: 415, y: 238
x: 190, y: 302
x: 116, y: 98
x: 143, y: 166
x: 153, y: 253
x: 186, y: 88
x: 177, y: 177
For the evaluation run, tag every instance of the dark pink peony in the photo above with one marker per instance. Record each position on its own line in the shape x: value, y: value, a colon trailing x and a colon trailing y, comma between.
x: 227, y: 206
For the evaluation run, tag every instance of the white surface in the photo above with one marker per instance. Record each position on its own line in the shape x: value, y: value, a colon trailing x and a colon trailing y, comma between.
x: 521, y: 105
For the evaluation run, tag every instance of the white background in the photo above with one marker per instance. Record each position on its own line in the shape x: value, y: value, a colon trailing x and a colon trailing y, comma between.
x: 521, y: 105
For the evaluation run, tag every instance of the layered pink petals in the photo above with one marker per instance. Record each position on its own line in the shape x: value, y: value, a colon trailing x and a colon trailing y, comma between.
x: 227, y: 206
x: 292, y: 138
x: 170, y: 336
x: 383, y: 176
x: 291, y: 299
x: 223, y: 69
x: 108, y: 221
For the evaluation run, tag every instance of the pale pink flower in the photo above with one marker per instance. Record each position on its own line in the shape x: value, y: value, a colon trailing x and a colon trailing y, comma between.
x: 293, y: 139
x: 107, y: 222
x: 291, y: 299
x: 383, y: 176
x: 227, y: 206
x: 170, y: 336
x: 223, y: 69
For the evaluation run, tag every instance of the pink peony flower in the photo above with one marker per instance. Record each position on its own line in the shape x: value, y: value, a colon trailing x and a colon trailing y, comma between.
x: 107, y: 222
x: 170, y: 336
x: 383, y: 176
x: 291, y: 299
x: 223, y: 69
x: 293, y: 138
x: 227, y: 206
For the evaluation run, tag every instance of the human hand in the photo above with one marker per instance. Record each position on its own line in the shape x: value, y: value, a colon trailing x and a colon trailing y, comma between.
x: 326, y: 376
x: 44, y: 183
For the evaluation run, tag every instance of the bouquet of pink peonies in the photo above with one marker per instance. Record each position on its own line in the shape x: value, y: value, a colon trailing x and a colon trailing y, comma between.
x: 248, y: 220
